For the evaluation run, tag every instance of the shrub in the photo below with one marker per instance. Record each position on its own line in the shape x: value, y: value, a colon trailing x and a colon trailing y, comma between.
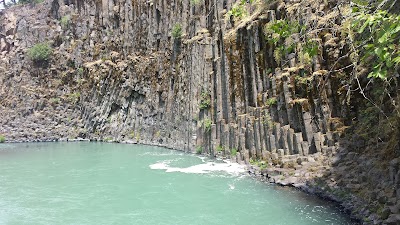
x: 233, y: 152
x: 108, y: 139
x: 2, y: 139
x: 195, y: 2
x: 199, y: 150
x: 238, y: 10
x: 64, y: 22
x: 291, y: 37
x: 260, y: 164
x: 205, y: 100
x: 80, y: 71
x: 207, y: 125
x: 177, y: 31
x: 272, y: 101
x: 54, y: 100
x: 40, y: 52
x: 30, y: 1
x: 74, y: 97
x: 220, y: 148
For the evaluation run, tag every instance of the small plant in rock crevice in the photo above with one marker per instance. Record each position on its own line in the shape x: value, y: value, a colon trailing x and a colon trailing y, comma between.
x: 74, y: 97
x: 233, y: 152
x: 199, y: 149
x: 220, y: 148
x: 267, y: 120
x: 2, y: 139
x: 65, y: 22
x: 207, y: 125
x: 108, y: 139
x: 205, y: 100
x: 260, y: 164
x: 54, y: 101
x: 239, y: 10
x: 195, y: 2
x: 177, y: 31
x: 271, y: 101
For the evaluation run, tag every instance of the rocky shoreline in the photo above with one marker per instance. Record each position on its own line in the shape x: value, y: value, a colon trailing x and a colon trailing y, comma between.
x: 320, y: 181
x: 310, y: 188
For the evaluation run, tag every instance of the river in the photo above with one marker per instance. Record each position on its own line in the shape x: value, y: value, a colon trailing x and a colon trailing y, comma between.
x: 106, y: 183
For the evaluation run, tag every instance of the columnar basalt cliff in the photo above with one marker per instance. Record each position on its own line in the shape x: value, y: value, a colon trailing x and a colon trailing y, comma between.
x: 186, y: 75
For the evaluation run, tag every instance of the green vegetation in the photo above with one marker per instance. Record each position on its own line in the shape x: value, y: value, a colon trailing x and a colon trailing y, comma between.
x: 65, y: 21
x: 271, y: 101
x: 54, y: 100
x: 2, y: 139
x: 234, y: 152
x: 177, y: 31
x: 80, y: 71
x: 260, y: 164
x: 238, y: 10
x: 199, y: 149
x: 40, y: 53
x: 207, y: 125
x: 290, y: 37
x: 30, y: 1
x: 108, y: 139
x: 220, y: 148
x: 205, y: 100
x: 137, y: 136
x: 195, y: 2
x: 376, y: 37
x: 74, y: 97
x: 267, y: 120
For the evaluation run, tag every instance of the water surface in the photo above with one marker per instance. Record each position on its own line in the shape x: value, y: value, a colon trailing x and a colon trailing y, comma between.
x: 101, y: 183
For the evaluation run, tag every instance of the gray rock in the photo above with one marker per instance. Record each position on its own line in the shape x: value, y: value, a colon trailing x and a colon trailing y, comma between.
x: 280, y: 152
x: 393, y: 219
x: 385, y: 213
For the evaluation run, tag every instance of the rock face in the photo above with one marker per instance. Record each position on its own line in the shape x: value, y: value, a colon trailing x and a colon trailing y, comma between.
x: 132, y: 79
x: 124, y: 75
x: 184, y: 75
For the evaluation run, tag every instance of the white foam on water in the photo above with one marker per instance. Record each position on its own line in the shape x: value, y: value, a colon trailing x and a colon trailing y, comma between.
x: 208, y: 167
x: 159, y: 166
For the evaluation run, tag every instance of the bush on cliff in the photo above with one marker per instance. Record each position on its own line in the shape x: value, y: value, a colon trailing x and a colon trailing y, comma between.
x: 195, y: 2
x: 30, y: 1
x: 65, y: 22
x: 40, y: 53
x: 177, y: 31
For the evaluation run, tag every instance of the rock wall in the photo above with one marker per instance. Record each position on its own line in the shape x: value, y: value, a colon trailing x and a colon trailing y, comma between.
x: 134, y: 80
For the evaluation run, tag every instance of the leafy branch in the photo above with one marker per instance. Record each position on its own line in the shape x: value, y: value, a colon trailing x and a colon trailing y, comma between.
x: 379, y: 34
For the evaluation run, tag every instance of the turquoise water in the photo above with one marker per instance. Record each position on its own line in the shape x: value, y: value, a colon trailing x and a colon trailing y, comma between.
x: 101, y: 183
